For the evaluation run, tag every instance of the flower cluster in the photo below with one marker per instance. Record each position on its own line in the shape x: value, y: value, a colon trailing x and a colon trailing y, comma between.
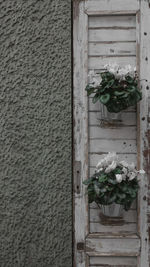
x: 121, y: 72
x: 116, y: 87
x: 114, y: 181
x: 111, y: 162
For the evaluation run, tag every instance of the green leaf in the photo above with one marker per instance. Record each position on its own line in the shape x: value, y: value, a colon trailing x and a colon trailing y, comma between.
x: 95, y: 98
x: 90, y: 89
x: 131, y: 89
x: 117, y: 93
x: 105, y: 98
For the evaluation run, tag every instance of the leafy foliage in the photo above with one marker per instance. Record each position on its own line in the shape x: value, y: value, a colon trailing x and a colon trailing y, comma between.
x: 115, y: 94
x: 104, y: 189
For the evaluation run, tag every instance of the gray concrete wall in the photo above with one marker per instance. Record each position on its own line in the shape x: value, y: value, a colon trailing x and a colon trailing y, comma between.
x: 35, y: 133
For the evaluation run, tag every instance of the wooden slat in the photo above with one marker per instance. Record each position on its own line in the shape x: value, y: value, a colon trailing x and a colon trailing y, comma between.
x: 97, y: 132
x: 112, y: 247
x: 94, y: 205
x: 95, y: 158
x: 130, y: 216
x: 120, y: 146
x: 97, y: 106
x: 117, y: 49
x: 80, y: 130
x: 113, y: 261
x: 112, y: 21
x: 111, y: 7
x: 111, y: 35
x: 128, y: 227
x: 128, y: 119
x: 143, y: 60
x: 100, y: 62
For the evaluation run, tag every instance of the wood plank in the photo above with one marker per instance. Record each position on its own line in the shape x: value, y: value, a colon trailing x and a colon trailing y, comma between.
x: 128, y: 119
x: 120, y: 146
x: 94, y: 205
x: 111, y: 7
x: 100, y: 62
x: 130, y: 216
x: 112, y: 247
x: 97, y: 132
x: 116, y: 49
x: 112, y: 21
x: 143, y: 56
x: 112, y: 235
x: 80, y: 132
x: 111, y: 35
x: 97, y: 106
x: 99, y: 228
x: 95, y: 158
x: 113, y: 261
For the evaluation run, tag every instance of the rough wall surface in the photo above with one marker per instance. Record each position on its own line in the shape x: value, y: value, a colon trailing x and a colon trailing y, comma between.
x: 35, y: 133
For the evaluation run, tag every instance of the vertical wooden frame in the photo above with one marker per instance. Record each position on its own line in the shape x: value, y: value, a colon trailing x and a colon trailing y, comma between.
x: 80, y: 143
x: 143, y: 149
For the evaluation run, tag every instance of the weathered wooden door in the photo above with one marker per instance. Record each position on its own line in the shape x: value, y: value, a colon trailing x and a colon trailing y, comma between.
x: 110, y: 31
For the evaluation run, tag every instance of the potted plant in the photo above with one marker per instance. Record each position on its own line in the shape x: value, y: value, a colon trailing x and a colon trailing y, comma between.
x: 116, y: 87
x: 113, y: 186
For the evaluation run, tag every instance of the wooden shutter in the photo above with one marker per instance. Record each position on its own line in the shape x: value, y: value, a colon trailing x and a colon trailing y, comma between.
x: 110, y: 31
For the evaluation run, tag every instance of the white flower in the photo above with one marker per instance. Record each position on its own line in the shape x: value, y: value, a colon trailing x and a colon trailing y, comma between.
x: 131, y: 167
x: 141, y: 171
x: 119, y: 178
x: 101, y: 164
x: 107, y: 160
x: 94, y: 79
x: 125, y: 171
x: 113, y: 68
x: 132, y: 175
x: 111, y: 167
x: 90, y: 76
x: 111, y: 156
x: 120, y: 72
x: 124, y: 163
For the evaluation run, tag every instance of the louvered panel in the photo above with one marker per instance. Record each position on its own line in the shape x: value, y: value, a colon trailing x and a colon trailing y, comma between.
x: 111, y: 39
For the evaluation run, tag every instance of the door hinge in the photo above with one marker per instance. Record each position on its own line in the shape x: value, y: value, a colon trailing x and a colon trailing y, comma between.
x: 77, y: 176
x: 80, y: 246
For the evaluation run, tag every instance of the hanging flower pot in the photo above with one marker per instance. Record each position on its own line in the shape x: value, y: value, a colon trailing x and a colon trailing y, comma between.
x: 113, y: 210
x: 108, y: 117
x: 113, y: 186
x: 116, y: 88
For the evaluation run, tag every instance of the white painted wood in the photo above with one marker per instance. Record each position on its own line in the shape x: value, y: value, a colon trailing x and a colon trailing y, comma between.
x: 95, y: 158
x: 128, y: 119
x: 99, y: 228
x: 120, y: 146
x: 143, y: 41
x: 112, y: 21
x: 130, y: 216
x: 97, y: 132
x: 112, y: 7
x: 97, y: 106
x: 94, y: 205
x: 112, y: 49
x: 113, y: 261
x: 80, y: 146
x: 105, y: 35
x: 112, y: 247
x: 100, y: 62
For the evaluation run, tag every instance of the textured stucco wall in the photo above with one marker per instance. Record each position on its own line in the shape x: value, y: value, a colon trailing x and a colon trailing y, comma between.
x: 35, y: 133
